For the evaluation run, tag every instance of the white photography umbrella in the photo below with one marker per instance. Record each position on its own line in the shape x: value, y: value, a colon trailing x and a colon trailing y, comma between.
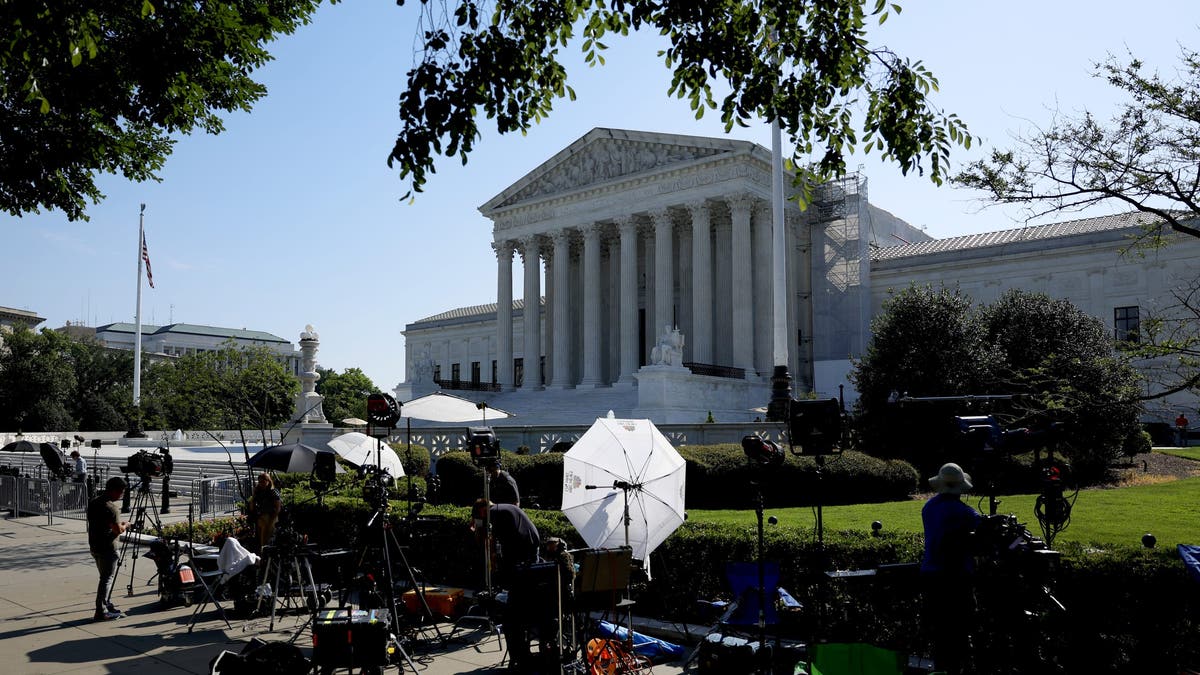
x: 621, y: 466
x: 359, y: 449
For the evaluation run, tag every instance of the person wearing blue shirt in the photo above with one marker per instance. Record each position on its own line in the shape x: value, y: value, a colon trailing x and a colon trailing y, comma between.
x: 947, y: 567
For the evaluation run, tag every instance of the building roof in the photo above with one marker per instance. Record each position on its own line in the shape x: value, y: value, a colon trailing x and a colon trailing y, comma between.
x: 474, y: 311
x: 1002, y: 238
x: 29, y: 318
x: 193, y: 329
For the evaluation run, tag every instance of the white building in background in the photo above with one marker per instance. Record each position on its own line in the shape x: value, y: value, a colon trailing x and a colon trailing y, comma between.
x: 657, y: 267
x: 180, y: 339
x: 11, y: 317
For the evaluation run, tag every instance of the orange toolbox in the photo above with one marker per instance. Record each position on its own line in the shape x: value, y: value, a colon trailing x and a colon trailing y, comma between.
x: 443, y: 601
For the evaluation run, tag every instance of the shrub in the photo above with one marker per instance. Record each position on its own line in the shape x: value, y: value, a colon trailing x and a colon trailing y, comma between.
x: 1136, y: 443
x: 718, y: 477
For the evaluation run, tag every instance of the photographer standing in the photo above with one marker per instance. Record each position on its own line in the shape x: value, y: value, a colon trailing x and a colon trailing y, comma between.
x: 104, y: 526
x: 264, y: 507
x: 502, y: 487
x: 168, y: 467
x: 947, y: 568
x: 518, y: 542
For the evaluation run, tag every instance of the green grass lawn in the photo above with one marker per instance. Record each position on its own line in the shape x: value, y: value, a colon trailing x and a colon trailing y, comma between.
x: 1100, y: 517
x: 1186, y: 453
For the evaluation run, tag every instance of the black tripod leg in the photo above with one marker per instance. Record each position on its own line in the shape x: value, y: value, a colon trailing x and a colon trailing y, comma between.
x: 417, y: 588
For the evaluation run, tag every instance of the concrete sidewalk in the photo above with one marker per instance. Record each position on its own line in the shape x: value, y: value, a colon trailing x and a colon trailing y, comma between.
x: 47, y: 585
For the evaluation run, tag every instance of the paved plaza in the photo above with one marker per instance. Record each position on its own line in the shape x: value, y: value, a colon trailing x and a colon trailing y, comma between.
x: 47, y: 585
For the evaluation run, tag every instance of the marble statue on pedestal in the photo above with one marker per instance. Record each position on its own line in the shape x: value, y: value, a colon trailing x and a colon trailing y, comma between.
x: 308, y: 401
x: 669, y: 350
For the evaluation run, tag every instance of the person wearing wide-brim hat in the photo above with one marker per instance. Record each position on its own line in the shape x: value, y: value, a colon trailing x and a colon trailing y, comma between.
x: 947, y: 567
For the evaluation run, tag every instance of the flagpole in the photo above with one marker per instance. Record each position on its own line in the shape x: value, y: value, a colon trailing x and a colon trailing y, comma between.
x: 135, y: 430
x: 781, y: 380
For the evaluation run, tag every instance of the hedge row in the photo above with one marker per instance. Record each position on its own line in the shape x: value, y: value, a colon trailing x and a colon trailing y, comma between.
x: 1127, y: 610
x: 718, y: 477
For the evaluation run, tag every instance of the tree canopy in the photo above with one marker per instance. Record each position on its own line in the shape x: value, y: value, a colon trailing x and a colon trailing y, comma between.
x: 1057, y: 363
x: 345, y: 393
x: 230, y: 388
x: 88, y: 88
x: 1145, y: 158
x: 806, y: 64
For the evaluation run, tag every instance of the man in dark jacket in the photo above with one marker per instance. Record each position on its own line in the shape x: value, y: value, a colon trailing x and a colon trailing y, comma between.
x: 513, y: 543
x: 104, y: 527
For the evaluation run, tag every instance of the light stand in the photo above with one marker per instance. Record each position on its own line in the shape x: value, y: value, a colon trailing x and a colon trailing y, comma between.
x: 762, y: 455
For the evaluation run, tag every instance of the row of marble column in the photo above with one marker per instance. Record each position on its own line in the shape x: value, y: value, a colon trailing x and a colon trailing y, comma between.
x: 749, y: 265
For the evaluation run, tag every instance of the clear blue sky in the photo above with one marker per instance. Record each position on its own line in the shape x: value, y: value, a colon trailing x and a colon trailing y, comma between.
x: 292, y: 217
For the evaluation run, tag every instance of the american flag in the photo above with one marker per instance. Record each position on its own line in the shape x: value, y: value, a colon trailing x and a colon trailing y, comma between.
x: 146, y: 258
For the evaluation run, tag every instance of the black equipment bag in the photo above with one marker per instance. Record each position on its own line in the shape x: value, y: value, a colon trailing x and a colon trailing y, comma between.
x: 260, y: 657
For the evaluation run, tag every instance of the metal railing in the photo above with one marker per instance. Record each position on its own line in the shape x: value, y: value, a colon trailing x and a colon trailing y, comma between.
x: 467, y: 385
x: 212, y: 497
x: 26, y: 496
x: 69, y: 499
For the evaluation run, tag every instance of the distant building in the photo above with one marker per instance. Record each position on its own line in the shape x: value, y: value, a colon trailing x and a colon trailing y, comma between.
x: 10, y: 318
x: 181, y: 339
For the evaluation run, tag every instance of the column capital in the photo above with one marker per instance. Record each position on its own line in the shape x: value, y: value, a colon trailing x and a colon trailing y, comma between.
x: 627, y: 225
x: 697, y: 207
x: 504, y: 249
x: 738, y: 201
x: 591, y: 230
x: 660, y: 217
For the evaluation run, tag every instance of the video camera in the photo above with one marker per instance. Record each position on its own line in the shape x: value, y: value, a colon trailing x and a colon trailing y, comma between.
x: 1008, y: 547
x: 144, y: 463
x: 376, y: 485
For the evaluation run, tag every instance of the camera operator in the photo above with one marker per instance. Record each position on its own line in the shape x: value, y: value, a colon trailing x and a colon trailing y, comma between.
x: 104, y: 525
x: 168, y: 466
x: 79, y: 472
x: 947, y: 568
x: 517, y: 541
x: 502, y: 487
x: 263, y: 509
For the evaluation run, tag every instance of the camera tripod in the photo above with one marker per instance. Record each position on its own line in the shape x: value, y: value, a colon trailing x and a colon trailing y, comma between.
x: 289, y: 560
x: 143, y: 505
x: 387, y: 539
x: 479, y: 612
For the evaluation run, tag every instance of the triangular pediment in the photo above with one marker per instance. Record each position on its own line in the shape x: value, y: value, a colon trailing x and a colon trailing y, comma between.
x: 605, y: 155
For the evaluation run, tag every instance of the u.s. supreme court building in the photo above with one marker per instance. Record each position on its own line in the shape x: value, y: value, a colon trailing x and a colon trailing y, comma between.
x: 658, y: 284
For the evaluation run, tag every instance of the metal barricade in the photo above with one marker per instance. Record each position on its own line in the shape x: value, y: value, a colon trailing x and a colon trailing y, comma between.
x: 213, y: 497
x: 27, y: 496
x: 69, y: 499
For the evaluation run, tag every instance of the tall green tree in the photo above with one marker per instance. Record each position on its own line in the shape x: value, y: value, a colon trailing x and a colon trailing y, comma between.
x: 88, y: 88
x: 103, y: 396
x: 230, y: 388
x: 345, y: 393
x: 808, y: 65
x: 37, y: 379
x: 1058, y: 363
x: 1063, y: 365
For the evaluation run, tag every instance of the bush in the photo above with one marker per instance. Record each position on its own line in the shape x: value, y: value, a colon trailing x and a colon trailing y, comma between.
x: 416, y: 462
x: 1136, y: 443
x: 718, y: 477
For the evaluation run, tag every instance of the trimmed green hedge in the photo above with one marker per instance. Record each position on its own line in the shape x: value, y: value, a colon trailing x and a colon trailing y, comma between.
x: 1129, y: 610
x: 718, y: 477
